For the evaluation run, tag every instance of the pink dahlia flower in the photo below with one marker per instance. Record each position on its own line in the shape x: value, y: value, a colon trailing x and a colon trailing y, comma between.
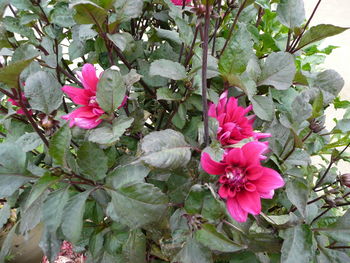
x: 180, y: 2
x: 67, y: 255
x: 25, y: 102
x: 243, y: 181
x: 234, y: 125
x: 89, y: 115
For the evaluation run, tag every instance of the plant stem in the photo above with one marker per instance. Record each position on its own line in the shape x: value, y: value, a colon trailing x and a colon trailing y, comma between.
x: 333, y: 160
x: 293, y: 46
x: 233, y: 27
x: 204, y: 74
x: 317, y: 217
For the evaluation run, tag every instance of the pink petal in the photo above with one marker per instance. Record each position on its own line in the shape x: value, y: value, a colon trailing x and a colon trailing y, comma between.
x: 82, y: 112
x: 89, y: 77
x: 267, y: 195
x: 249, y: 201
x: 211, y: 166
x: 77, y: 95
x: 269, y: 180
x: 236, y: 211
x: 235, y: 157
x: 253, y: 150
x: 87, y: 123
x: 180, y: 2
x: 254, y: 172
x: 212, y: 110
x: 223, y: 191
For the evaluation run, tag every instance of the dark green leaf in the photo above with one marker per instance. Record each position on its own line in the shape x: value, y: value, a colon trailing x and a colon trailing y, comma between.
x: 10, y: 74
x: 12, y: 159
x: 263, y: 107
x: 59, y: 145
x: 167, y: 94
x: 165, y: 149
x: 5, y: 213
x: 128, y: 174
x: 126, y: 9
x: 319, y: 32
x: 7, y: 244
x: 291, y: 13
x: 278, y: 70
x: 193, y: 252
x: 330, y: 82
x: 298, y: 193
x: 53, y: 208
x: 298, y: 245
x: 29, y: 141
x: 138, y: 204
x: 109, y: 134
x: 88, y: 12
x: 167, y: 69
x: 111, y: 90
x: 72, y: 223
x: 44, y: 92
x: 92, y: 161
x: 62, y: 15
x: 212, y: 239
x: 134, y: 250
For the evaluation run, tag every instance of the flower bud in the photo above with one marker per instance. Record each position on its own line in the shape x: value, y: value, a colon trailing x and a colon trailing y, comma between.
x: 315, y: 126
x: 345, y: 179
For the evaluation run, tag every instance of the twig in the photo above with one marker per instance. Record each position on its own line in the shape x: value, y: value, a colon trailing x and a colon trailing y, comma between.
x: 233, y: 27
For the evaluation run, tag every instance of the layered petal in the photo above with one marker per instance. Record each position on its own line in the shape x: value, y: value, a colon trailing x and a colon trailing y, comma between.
x: 77, y: 95
x: 82, y: 112
x: 253, y: 151
x: 249, y: 202
x: 236, y: 211
x: 87, y: 123
x: 89, y: 78
x: 211, y: 166
x: 180, y: 2
x: 270, y: 180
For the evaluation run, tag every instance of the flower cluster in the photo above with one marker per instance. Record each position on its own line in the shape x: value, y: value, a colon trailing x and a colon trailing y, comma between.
x: 180, y: 2
x: 89, y: 115
x: 243, y: 180
x: 67, y: 255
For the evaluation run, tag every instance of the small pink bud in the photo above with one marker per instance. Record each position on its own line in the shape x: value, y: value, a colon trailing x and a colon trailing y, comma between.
x: 345, y: 179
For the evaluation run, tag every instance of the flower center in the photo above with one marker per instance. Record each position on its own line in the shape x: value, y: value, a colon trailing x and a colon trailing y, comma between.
x: 93, y: 101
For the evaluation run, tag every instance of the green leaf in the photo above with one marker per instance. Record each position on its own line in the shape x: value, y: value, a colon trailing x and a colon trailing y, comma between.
x: 319, y: 32
x: 298, y: 245
x: 128, y: 174
x: 343, y: 125
x: 120, y: 40
x: 194, y: 200
x: 167, y: 69
x: 10, y: 183
x: 330, y: 83
x: 167, y: 94
x: 263, y: 107
x: 298, y: 193
x: 165, y: 149
x: 299, y: 157
x: 110, y: 90
x: 72, y: 223
x: 239, y: 50
x: 44, y: 92
x: 138, y: 204
x: 88, y: 12
x: 291, y: 13
x: 10, y: 74
x: 5, y: 213
x: 29, y: 141
x: 134, y: 250
x: 278, y: 71
x: 59, y: 145
x: 125, y: 9
x: 109, y: 134
x: 331, y: 256
x: 212, y: 239
x: 12, y: 159
x: 53, y: 217
x: 193, y: 252
x: 340, y: 230
x: 92, y: 161
x: 62, y: 16
x: 7, y: 243
x: 39, y: 188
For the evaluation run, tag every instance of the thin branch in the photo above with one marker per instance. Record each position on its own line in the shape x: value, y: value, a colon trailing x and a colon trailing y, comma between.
x: 204, y: 74
x: 233, y: 27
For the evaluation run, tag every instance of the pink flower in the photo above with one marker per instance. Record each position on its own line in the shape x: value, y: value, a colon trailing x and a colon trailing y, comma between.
x: 234, y: 125
x: 243, y: 181
x: 89, y: 115
x: 67, y: 255
x: 180, y: 2
x: 16, y: 103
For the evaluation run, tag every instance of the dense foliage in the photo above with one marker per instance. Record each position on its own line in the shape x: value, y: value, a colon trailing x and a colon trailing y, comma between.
x: 158, y: 157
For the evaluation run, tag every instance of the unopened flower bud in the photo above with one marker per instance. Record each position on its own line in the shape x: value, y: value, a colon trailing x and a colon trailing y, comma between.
x: 345, y: 179
x: 316, y: 126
